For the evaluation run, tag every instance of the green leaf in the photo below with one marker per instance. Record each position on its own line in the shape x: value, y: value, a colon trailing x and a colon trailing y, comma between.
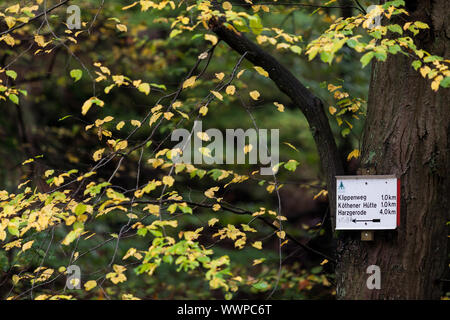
x: 159, y: 86
x: 174, y: 33
x: 78, y: 225
x: 352, y: 43
x: 376, y: 34
x: 345, y: 132
x: 197, y: 36
x: 380, y: 55
x: 365, y: 59
x: 142, y: 232
x: 255, y: 24
x: 326, y: 56
x: 445, y: 83
x: 76, y: 74
x: 240, y: 25
x: 296, y: 49
x: 394, y: 49
x: 432, y: 58
x: 80, y: 209
x: 12, y: 74
x: 421, y: 25
x: 291, y: 165
x: 316, y: 270
x: 186, y: 209
x: 261, y: 285
x: 14, y: 98
x: 395, y: 28
x: 416, y: 64
x: 13, y: 230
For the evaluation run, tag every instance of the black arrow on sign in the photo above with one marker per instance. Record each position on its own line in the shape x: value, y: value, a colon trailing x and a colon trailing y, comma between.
x: 373, y: 220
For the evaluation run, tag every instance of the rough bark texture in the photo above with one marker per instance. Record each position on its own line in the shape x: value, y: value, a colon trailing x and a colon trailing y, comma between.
x: 407, y: 133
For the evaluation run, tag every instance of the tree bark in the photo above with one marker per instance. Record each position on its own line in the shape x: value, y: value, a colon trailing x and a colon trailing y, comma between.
x: 407, y: 133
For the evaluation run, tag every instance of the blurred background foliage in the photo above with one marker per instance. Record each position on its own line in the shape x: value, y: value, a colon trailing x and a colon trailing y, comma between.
x: 48, y: 122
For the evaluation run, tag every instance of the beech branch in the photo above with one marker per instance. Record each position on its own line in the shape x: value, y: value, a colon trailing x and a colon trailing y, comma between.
x: 310, y: 105
x: 34, y: 18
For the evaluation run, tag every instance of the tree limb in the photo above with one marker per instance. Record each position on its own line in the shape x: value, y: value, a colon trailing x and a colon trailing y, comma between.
x: 307, y: 102
x: 34, y: 18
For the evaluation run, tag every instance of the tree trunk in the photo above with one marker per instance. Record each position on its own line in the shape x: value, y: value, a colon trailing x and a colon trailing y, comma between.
x: 407, y: 133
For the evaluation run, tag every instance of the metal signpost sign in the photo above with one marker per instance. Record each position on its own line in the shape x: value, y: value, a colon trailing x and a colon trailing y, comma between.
x: 367, y: 202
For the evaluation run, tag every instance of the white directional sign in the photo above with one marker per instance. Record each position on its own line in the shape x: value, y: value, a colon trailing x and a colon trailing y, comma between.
x: 367, y: 202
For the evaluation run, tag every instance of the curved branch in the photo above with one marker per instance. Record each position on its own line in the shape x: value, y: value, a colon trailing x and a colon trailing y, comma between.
x: 34, y: 18
x: 305, y: 100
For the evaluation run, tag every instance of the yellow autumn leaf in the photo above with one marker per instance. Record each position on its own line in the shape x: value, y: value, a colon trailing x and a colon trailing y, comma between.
x: 332, y: 87
x: 168, y: 115
x: 13, y: 9
x: 168, y: 181
x: 121, y: 27
x: 279, y: 106
x: 212, y: 38
x: 105, y: 70
x: 86, y: 106
x: 10, y: 22
x: 436, y: 82
x: 189, y: 82
x: 136, y: 123
x: 205, y: 151
x: 145, y: 88
x: 27, y: 245
x: 240, y: 73
x: 154, y: 117
x: 281, y: 234
x: 130, y: 252
x: 70, y: 220
x: 291, y: 146
x: 91, y: 284
x: 261, y: 71
x: 227, y: 5
x: 120, y: 125
x: 257, y: 245
x: 332, y: 110
x: 322, y: 192
x: 258, y: 261
x: 130, y: 6
x: 210, y: 192
x: 230, y: 90
x: 212, y: 221
x: 152, y: 208
x: 248, y: 148
x: 8, y: 40
x: 220, y: 75
x: 177, y: 104
x: 203, y: 136
x: 98, y: 154
x: 203, y: 110
x: 254, y: 94
x: 217, y: 95
x: 424, y: 71
x: 353, y: 154
x: 121, y: 145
